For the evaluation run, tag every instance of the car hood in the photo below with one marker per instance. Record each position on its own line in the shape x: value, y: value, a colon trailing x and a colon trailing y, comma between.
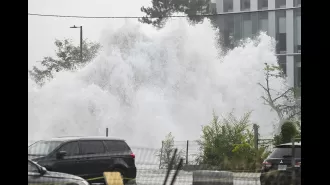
x: 62, y: 175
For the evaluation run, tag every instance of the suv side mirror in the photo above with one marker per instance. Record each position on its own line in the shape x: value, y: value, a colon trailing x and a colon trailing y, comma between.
x: 42, y: 171
x: 60, y: 154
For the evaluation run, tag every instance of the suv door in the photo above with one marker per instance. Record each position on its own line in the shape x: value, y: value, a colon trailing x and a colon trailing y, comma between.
x: 94, y: 160
x: 70, y: 162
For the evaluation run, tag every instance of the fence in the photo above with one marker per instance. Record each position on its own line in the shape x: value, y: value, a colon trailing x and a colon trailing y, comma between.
x: 148, y: 172
x: 191, y: 149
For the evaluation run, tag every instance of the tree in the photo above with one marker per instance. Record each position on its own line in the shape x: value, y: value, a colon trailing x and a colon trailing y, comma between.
x: 286, y: 103
x: 166, y: 152
x: 158, y: 14
x: 67, y: 58
x: 289, y: 130
x: 229, y: 143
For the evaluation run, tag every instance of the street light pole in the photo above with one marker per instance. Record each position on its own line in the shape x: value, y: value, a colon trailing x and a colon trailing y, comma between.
x: 81, y: 41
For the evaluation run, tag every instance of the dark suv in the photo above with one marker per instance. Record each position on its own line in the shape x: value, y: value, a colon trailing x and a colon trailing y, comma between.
x: 87, y: 157
x: 278, y: 169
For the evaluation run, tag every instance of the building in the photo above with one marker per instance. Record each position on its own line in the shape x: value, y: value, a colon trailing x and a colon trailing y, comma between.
x: 280, y: 19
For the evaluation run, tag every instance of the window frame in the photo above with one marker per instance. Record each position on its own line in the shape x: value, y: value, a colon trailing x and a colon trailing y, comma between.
x: 278, y: 5
x: 224, y: 7
x: 109, y: 149
x: 65, y: 143
x: 260, y: 3
x: 81, y: 148
x: 242, y: 7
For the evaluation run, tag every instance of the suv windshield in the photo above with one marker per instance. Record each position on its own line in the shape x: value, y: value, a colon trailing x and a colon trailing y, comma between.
x: 43, y: 147
x: 283, y: 152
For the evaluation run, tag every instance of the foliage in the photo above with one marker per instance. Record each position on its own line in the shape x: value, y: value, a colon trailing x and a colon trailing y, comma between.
x: 229, y: 143
x: 166, y: 152
x: 289, y: 130
x: 67, y: 58
x: 159, y: 13
x: 286, y: 103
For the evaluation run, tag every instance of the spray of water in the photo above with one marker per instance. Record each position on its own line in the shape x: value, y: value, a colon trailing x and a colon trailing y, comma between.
x: 147, y: 83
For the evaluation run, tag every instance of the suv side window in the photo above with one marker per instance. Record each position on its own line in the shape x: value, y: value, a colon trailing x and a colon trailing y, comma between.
x: 71, y: 148
x: 32, y: 167
x: 91, y: 147
x: 116, y: 146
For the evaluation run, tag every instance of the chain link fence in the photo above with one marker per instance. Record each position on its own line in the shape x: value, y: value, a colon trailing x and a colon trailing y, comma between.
x: 149, y: 172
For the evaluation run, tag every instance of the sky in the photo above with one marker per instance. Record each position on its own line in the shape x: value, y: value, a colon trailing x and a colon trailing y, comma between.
x: 42, y: 31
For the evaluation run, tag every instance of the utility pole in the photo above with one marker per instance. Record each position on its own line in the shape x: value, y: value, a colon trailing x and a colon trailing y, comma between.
x: 81, y: 41
x: 256, y: 136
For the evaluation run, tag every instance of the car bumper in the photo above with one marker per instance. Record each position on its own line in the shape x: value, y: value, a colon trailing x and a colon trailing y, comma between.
x: 281, y: 177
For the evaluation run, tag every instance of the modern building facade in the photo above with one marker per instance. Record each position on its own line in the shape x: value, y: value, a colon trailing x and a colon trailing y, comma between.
x: 280, y: 19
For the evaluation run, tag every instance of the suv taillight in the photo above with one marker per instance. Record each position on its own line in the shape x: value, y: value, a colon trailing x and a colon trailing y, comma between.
x: 267, y: 164
x: 133, y: 155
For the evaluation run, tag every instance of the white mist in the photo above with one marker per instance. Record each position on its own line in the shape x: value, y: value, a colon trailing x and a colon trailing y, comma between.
x: 146, y: 83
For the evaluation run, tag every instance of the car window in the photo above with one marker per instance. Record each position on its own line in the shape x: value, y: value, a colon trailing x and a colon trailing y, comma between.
x: 91, y: 147
x: 32, y: 167
x: 280, y: 152
x: 71, y: 148
x: 43, y: 147
x: 115, y: 146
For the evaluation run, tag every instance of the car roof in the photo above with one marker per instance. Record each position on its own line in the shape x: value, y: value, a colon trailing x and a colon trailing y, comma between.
x: 288, y: 145
x: 75, y: 138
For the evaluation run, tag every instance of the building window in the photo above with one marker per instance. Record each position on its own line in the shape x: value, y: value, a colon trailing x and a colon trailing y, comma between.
x: 297, y: 72
x: 237, y: 27
x: 228, y: 5
x: 263, y: 21
x: 228, y: 31
x: 281, y: 59
x: 297, y: 28
x: 262, y: 4
x: 247, y: 25
x: 281, y: 31
x: 280, y: 3
x: 245, y: 5
x: 297, y: 3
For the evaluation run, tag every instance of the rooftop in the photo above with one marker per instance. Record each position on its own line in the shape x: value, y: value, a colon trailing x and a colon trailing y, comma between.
x: 67, y: 138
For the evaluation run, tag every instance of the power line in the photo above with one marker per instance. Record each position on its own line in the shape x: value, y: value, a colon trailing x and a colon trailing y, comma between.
x: 114, y: 17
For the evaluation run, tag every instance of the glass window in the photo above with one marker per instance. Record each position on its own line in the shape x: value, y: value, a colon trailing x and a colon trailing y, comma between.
x: 32, y: 167
x: 285, y: 152
x: 237, y: 27
x: 91, y: 147
x: 228, y: 5
x: 297, y: 2
x: 280, y: 3
x: 281, y: 31
x: 254, y: 18
x: 245, y: 5
x: 115, y: 146
x: 43, y: 147
x: 297, y: 77
x: 281, y: 59
x: 228, y: 31
x: 262, y: 4
x: 297, y: 29
x: 263, y: 21
x: 247, y: 25
x: 71, y: 148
